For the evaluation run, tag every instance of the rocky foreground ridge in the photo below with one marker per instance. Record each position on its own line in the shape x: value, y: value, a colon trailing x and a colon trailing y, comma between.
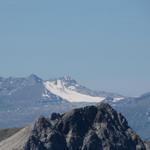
x: 90, y: 128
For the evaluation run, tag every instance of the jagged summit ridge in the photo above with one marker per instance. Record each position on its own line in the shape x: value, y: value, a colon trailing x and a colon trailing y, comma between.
x: 90, y: 128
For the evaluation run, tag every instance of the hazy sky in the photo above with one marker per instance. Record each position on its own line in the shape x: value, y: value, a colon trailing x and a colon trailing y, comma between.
x: 104, y: 44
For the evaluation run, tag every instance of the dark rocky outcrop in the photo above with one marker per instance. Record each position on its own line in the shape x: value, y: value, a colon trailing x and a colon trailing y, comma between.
x: 90, y: 128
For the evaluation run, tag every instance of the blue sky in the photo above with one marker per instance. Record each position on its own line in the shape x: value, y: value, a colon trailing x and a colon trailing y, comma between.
x: 103, y: 44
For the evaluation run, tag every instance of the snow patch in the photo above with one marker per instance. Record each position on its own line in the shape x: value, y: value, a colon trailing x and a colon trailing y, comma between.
x: 68, y: 94
x: 116, y: 99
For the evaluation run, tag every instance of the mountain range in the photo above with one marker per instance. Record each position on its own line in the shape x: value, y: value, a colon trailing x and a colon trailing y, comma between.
x: 22, y: 99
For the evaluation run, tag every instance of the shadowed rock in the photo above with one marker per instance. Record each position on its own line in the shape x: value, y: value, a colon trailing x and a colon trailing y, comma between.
x: 90, y: 128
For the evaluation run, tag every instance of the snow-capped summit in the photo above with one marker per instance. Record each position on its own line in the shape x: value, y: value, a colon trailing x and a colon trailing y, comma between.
x: 70, y: 94
x: 67, y: 88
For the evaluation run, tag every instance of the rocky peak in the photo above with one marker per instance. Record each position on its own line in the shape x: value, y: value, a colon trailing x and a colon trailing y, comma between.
x: 93, y: 127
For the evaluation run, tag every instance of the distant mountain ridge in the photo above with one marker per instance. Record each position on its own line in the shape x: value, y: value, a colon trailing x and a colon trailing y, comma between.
x: 70, y: 82
x: 10, y: 86
x: 68, y: 88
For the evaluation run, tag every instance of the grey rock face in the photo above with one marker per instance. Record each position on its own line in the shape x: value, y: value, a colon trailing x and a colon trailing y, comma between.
x: 90, y: 128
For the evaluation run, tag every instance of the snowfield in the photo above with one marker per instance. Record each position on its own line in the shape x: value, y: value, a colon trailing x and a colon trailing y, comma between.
x: 69, y: 94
